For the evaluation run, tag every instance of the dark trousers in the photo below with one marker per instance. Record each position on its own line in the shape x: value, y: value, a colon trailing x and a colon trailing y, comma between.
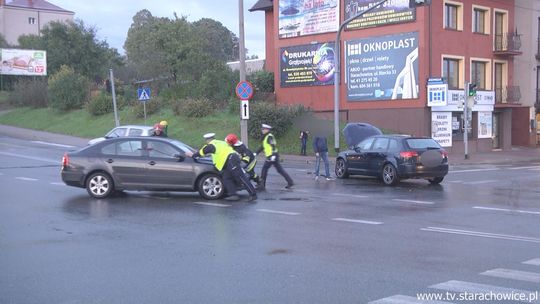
x: 267, y: 164
x: 303, y: 146
x: 233, y: 175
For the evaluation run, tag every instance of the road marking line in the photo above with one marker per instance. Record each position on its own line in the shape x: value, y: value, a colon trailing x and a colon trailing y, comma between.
x: 350, y: 195
x: 461, y: 286
x: 529, y: 167
x: 26, y: 178
x: 482, y: 234
x: 52, y: 144
x: 212, y: 204
x: 537, y: 169
x: 278, y: 212
x: 474, y: 170
x: 507, y: 210
x: 58, y: 184
x: 455, y: 181
x: 341, y: 219
x: 513, y: 275
x: 401, y: 299
x: 481, y: 182
x: 32, y: 158
x: 535, y: 262
x: 413, y: 201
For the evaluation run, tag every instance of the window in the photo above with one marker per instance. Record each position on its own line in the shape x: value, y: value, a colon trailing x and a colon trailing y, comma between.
x: 366, y: 143
x: 480, y: 21
x: 31, y: 20
x: 458, y: 126
x: 381, y: 144
x: 161, y: 150
x: 451, y: 72
x: 478, y: 74
x: 124, y: 148
x: 450, y: 16
x: 499, y: 82
x: 135, y: 132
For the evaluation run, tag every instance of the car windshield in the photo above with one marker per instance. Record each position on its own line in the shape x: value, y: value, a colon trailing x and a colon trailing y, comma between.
x: 182, y: 146
x: 423, y: 143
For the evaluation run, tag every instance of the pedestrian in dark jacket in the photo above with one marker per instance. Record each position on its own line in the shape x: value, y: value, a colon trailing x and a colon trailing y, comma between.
x: 303, y: 141
x: 320, y: 147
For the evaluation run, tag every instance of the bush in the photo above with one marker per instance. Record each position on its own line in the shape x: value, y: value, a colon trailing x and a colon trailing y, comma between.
x: 29, y: 93
x: 68, y: 90
x: 103, y: 104
x: 152, y: 106
x: 195, y: 107
x: 280, y: 118
x: 263, y: 81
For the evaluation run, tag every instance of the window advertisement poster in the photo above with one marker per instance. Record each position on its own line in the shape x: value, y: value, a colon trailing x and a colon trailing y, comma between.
x: 485, y: 124
x: 307, y: 17
x: 382, y: 68
x: 24, y: 62
x: 437, y: 95
x: 391, y: 12
x: 307, y: 65
x: 441, y: 128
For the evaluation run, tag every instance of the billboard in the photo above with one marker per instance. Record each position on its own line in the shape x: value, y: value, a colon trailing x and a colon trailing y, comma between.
x: 391, y: 12
x: 24, y: 62
x: 382, y: 68
x: 307, y: 65
x: 307, y: 17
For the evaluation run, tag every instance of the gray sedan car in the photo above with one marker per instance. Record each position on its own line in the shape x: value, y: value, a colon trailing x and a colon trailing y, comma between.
x: 140, y: 163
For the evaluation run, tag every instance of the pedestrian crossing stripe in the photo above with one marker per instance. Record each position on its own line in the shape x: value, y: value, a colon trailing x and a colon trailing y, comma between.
x: 513, y: 275
x: 401, y: 299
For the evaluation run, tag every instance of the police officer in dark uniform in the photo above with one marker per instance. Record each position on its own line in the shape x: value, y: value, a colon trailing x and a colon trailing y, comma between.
x: 227, y: 162
x: 272, y: 158
x: 247, y: 156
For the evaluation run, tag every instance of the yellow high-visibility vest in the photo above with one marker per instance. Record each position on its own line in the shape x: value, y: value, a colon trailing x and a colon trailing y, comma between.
x: 222, y: 152
x: 267, y: 147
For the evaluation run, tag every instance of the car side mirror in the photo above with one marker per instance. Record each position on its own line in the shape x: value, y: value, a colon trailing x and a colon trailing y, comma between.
x: 180, y: 157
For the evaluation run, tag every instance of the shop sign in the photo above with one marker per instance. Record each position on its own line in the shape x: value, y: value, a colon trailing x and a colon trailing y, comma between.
x: 441, y: 128
x: 307, y: 65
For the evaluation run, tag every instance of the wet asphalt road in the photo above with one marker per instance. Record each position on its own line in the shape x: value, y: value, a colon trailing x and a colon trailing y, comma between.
x: 341, y: 241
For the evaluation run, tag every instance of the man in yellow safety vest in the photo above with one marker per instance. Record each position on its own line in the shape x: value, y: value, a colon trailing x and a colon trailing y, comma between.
x: 272, y: 158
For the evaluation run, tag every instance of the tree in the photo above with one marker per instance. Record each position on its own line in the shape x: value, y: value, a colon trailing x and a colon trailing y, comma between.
x: 75, y: 45
x: 218, y: 41
x: 3, y: 42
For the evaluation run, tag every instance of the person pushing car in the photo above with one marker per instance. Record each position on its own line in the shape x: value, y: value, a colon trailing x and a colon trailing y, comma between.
x: 227, y: 162
x: 247, y: 156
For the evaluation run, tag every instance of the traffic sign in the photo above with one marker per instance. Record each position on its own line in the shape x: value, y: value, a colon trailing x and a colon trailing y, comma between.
x: 244, y: 90
x: 143, y: 94
x: 244, y: 106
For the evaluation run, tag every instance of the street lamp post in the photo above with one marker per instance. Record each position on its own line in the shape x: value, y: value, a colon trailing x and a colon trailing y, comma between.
x: 337, y: 73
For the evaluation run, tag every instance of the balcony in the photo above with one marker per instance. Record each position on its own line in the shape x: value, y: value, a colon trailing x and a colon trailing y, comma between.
x: 508, y: 44
x: 507, y: 95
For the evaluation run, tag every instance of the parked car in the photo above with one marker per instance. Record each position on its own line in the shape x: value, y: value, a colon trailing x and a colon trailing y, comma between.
x: 394, y: 157
x: 140, y: 163
x: 128, y: 130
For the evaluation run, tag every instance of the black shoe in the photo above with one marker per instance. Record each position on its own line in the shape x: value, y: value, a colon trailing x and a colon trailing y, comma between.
x: 289, y: 186
x: 252, y: 198
x: 232, y: 198
x: 260, y: 188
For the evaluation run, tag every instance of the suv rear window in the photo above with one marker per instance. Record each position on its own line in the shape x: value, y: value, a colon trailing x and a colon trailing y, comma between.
x: 422, y: 143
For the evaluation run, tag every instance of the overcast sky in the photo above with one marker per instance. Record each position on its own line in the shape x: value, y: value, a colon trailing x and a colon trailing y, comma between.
x: 112, y: 18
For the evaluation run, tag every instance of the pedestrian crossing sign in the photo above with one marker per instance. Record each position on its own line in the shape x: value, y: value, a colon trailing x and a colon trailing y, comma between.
x: 144, y: 94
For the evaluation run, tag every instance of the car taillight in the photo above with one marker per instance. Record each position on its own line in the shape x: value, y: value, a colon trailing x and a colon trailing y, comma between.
x: 65, y: 161
x: 408, y: 154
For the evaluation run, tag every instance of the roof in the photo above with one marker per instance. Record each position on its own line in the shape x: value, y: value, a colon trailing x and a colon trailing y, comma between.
x: 37, y: 5
x: 262, y: 5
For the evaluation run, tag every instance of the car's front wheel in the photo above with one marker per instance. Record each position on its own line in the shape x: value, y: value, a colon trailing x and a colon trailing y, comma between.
x: 389, y: 175
x: 211, y: 186
x: 435, y: 180
x: 99, y: 185
x: 341, y: 168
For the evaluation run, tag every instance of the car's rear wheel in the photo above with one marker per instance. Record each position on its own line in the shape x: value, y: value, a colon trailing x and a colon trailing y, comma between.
x: 436, y: 180
x: 211, y: 186
x: 341, y: 168
x: 389, y: 175
x: 99, y: 185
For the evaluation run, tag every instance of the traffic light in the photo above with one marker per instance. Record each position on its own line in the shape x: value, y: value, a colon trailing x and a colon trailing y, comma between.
x: 416, y: 3
x: 472, y: 89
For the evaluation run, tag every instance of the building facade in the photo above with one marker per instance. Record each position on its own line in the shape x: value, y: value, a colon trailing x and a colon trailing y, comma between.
x: 22, y: 17
x: 404, y: 69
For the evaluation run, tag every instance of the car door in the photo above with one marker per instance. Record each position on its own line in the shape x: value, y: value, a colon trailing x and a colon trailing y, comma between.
x: 357, y: 161
x: 126, y: 162
x: 165, y: 169
x: 376, y: 156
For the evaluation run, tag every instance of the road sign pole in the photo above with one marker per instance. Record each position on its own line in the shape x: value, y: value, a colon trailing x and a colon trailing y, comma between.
x: 242, y: 58
x: 466, y: 122
x: 116, y: 121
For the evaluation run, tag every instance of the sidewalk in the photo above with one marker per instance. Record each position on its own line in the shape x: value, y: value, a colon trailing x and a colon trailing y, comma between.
x: 521, y: 155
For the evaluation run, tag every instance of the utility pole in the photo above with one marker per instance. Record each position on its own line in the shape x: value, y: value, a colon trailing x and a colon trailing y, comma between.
x: 242, y: 58
x: 116, y: 121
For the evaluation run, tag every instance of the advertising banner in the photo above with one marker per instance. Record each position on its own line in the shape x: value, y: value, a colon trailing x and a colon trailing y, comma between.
x: 24, y: 62
x: 485, y: 124
x: 441, y: 128
x: 437, y: 95
x: 382, y: 68
x: 391, y: 12
x: 307, y: 65
x: 483, y: 101
x: 307, y: 17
